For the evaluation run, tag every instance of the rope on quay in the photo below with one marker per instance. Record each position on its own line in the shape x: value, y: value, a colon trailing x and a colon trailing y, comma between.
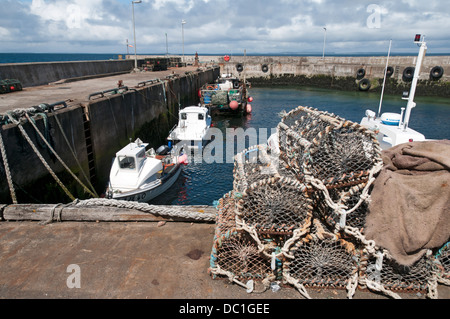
x: 173, y: 211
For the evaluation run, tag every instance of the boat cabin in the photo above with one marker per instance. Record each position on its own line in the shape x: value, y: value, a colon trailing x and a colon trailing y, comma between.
x: 132, y: 156
x: 193, y: 116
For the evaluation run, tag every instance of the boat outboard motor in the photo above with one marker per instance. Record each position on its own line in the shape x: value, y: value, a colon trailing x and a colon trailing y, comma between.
x: 163, y: 150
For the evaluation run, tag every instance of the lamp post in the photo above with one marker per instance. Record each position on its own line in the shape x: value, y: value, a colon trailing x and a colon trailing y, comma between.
x: 324, y: 40
x: 134, y: 33
x: 183, y: 22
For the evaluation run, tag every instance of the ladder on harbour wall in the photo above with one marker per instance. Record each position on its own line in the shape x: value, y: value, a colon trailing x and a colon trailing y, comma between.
x: 89, y: 147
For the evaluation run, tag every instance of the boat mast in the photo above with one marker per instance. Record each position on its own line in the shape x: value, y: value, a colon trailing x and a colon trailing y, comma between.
x: 384, y: 80
x: 411, y: 104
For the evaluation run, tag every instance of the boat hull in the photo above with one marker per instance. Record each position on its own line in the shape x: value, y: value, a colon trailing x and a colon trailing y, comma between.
x: 147, y: 194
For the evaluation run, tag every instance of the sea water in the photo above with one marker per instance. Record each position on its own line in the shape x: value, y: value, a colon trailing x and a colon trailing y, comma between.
x: 204, y: 183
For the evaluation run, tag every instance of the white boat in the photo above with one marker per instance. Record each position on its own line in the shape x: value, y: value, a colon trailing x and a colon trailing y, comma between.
x: 140, y: 175
x: 392, y: 128
x: 193, y: 127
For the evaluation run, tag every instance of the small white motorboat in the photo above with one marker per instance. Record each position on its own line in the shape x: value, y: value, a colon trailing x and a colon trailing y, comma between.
x: 392, y: 128
x: 193, y: 127
x: 140, y: 175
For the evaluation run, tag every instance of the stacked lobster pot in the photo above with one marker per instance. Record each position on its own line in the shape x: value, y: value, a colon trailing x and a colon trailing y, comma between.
x: 297, y: 212
x: 267, y: 207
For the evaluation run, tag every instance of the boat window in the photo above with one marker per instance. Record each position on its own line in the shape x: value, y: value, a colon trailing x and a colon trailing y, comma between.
x: 183, y: 116
x: 201, y: 116
x: 127, y: 162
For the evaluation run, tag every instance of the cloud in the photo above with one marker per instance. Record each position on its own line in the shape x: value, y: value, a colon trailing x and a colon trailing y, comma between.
x: 222, y: 26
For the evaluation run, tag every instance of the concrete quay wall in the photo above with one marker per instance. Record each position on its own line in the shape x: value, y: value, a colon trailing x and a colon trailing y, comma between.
x: 338, y: 73
x: 96, y: 129
x: 314, y: 65
x: 42, y: 73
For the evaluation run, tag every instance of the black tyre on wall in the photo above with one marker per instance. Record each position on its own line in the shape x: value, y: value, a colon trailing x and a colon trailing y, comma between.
x: 364, y: 85
x: 360, y: 73
x: 389, y: 71
x: 436, y: 73
x: 408, y: 73
x: 239, y: 67
x: 264, y: 68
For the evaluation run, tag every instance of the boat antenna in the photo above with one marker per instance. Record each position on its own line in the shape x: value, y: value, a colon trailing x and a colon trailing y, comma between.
x: 384, y: 80
x: 411, y: 104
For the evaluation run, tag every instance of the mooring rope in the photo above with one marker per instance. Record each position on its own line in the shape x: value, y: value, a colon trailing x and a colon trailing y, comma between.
x: 58, y: 157
x: 7, y: 171
x: 27, y: 138
x: 148, y: 208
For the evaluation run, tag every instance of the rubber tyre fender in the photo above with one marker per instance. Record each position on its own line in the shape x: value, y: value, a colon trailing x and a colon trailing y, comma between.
x: 360, y: 73
x: 436, y: 73
x: 264, y: 68
x: 408, y: 73
x: 364, y: 85
x: 389, y: 71
x: 239, y: 67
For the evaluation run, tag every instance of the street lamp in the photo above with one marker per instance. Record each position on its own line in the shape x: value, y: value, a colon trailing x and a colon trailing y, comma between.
x: 134, y: 33
x: 324, y: 40
x: 183, y: 22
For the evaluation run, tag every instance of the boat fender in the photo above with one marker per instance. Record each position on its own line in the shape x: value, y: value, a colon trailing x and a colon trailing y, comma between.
x: 389, y: 71
x: 360, y: 73
x: 408, y: 73
x: 436, y: 73
x: 364, y: 85
x: 264, y: 68
x: 236, y: 84
x: 239, y: 67
x: 183, y: 159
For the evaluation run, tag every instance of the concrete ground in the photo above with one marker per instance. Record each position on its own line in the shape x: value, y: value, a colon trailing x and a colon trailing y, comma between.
x: 78, y: 91
x: 121, y: 260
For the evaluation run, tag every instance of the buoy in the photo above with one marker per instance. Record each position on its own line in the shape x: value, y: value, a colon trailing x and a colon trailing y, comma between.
x: 183, y: 159
x: 234, y: 105
x: 248, y: 108
x: 250, y: 99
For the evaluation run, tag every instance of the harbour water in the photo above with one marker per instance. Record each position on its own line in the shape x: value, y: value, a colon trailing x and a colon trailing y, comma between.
x: 204, y: 183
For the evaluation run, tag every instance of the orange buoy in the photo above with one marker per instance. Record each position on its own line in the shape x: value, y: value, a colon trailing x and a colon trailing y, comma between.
x: 234, y: 105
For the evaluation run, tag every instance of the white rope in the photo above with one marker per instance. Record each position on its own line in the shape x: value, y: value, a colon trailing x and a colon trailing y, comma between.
x: 144, y: 207
x: 58, y: 157
x: 7, y: 171
x: 27, y: 138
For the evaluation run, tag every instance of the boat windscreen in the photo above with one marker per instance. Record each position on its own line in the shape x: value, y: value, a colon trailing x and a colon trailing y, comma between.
x: 127, y: 162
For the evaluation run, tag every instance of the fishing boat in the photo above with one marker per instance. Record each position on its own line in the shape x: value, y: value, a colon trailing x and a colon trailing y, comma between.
x: 192, y: 130
x: 228, y: 95
x: 140, y: 175
x: 393, y: 128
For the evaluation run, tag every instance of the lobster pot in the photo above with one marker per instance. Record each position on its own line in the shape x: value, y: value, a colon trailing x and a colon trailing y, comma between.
x: 296, y: 131
x: 225, y: 217
x: 442, y: 264
x: 322, y: 260
x: 349, y: 196
x: 394, y: 277
x: 342, y: 154
x: 276, y: 205
x: 327, y: 147
x: 235, y: 254
x: 254, y: 164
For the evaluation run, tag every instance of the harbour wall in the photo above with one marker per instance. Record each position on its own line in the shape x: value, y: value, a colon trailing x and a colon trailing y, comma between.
x: 335, y: 72
x: 42, y: 73
x: 94, y: 130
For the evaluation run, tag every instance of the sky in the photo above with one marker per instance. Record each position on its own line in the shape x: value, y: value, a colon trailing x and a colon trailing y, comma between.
x: 223, y: 27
